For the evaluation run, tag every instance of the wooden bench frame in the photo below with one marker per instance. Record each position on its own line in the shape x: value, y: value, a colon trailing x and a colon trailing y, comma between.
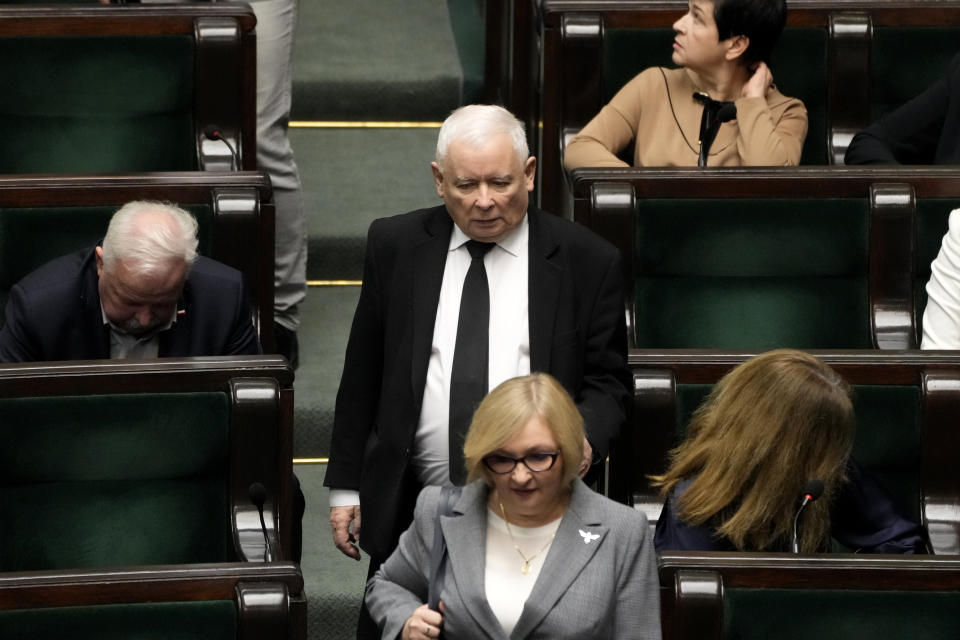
x: 572, y: 35
x: 226, y: 83
x: 642, y: 448
x: 243, y: 216
x: 692, y: 583
x: 260, y: 389
x: 269, y: 597
x: 606, y: 201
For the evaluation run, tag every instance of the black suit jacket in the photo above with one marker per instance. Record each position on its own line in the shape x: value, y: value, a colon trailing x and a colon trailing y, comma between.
x: 925, y: 130
x: 54, y: 314
x: 577, y: 334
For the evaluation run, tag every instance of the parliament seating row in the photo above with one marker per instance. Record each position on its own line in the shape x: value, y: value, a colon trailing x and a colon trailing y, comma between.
x: 760, y: 258
x: 43, y: 217
x: 109, y: 463
x: 849, y: 61
x: 751, y: 596
x: 122, y: 89
x: 230, y: 601
x: 905, y: 403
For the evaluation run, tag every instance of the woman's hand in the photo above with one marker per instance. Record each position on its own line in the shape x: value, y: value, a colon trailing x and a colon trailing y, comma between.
x: 759, y: 83
x: 424, y: 623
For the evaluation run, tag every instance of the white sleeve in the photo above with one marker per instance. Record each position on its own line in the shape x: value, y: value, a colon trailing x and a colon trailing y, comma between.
x: 941, y: 317
x: 344, y: 498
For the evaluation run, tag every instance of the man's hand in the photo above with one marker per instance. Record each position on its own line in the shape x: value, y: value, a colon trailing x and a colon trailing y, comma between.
x: 345, y: 522
x: 587, y: 458
x: 759, y: 83
x: 424, y: 623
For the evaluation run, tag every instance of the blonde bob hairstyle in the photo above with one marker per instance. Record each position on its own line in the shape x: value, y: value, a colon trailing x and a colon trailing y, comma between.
x: 509, y: 407
x: 768, y: 427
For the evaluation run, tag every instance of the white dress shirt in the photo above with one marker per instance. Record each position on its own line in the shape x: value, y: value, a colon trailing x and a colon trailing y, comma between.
x: 941, y: 317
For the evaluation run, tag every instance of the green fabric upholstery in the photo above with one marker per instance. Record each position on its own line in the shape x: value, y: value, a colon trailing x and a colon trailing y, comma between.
x: 203, y: 620
x: 887, y: 441
x: 906, y: 60
x: 89, y: 481
x: 799, y: 65
x: 27, y: 242
x: 752, y: 274
x: 803, y: 614
x: 107, y: 104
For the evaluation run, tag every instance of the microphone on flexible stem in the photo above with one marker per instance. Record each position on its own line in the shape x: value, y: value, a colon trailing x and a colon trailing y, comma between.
x: 212, y: 132
x: 258, y: 496
x: 715, y: 113
x: 811, y: 491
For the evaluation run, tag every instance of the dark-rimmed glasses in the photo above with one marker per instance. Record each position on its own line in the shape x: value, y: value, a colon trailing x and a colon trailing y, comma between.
x: 536, y: 462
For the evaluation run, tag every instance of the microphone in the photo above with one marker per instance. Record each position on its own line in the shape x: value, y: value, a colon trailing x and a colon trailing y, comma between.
x: 715, y: 113
x: 212, y: 132
x: 811, y: 491
x: 258, y: 496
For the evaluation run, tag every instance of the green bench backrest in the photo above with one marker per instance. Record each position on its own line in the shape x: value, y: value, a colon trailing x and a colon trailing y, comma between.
x: 30, y: 237
x: 107, y: 104
x: 206, y: 620
x: 122, y: 479
x: 801, y: 614
x: 907, y: 60
x: 799, y: 65
x: 887, y: 442
x: 752, y: 274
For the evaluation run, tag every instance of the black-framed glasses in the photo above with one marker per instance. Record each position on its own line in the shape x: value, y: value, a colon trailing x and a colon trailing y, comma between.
x: 536, y: 462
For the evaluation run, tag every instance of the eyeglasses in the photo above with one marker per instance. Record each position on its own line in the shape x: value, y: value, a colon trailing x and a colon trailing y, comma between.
x: 536, y: 462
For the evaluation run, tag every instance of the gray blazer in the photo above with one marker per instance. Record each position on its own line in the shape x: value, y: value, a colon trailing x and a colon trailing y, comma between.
x: 604, y: 588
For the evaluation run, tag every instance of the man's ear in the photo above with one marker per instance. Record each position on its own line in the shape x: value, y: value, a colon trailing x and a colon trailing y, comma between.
x: 437, y: 178
x: 99, y: 254
x: 736, y: 47
x: 530, y: 172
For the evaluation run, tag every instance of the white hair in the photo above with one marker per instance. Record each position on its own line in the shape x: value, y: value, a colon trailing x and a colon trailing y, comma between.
x: 150, y: 247
x: 475, y: 124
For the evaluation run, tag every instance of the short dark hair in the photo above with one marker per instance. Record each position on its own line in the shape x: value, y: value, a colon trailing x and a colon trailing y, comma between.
x: 761, y: 21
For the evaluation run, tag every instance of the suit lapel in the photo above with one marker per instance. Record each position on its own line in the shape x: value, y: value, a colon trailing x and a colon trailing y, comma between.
x: 467, y: 545
x: 567, y: 557
x: 429, y: 259
x: 543, y: 290
x: 92, y: 331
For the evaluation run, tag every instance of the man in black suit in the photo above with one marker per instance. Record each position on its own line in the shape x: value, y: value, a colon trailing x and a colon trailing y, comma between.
x: 555, y: 305
x: 144, y: 292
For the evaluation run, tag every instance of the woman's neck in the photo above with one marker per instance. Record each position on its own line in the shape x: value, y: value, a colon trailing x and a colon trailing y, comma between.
x: 724, y: 83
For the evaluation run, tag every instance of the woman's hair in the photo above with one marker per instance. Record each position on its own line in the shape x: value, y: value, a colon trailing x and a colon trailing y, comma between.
x: 475, y: 124
x: 136, y: 234
x: 767, y: 428
x: 509, y: 407
x: 761, y: 21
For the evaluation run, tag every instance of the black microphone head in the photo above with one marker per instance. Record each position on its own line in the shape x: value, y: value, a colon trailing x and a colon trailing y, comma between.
x: 258, y: 494
x: 212, y: 132
x: 813, y: 489
x: 726, y: 113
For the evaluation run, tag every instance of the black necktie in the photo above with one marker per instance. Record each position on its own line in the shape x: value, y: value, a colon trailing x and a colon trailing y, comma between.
x: 468, y: 376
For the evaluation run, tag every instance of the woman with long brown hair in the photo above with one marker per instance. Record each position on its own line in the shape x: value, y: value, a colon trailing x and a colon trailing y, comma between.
x: 769, y: 427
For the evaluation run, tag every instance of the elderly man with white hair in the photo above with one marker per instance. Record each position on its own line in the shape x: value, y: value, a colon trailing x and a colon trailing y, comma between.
x: 142, y: 293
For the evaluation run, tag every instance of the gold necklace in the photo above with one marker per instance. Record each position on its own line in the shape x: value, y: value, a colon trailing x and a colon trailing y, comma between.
x: 525, y: 567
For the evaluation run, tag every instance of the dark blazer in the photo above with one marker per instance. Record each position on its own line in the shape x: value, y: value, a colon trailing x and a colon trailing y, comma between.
x: 925, y: 130
x: 577, y: 334
x: 603, y: 588
x: 54, y: 314
x: 862, y: 519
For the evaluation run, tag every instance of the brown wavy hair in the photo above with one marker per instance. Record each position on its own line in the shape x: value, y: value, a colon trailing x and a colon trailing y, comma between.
x: 769, y: 426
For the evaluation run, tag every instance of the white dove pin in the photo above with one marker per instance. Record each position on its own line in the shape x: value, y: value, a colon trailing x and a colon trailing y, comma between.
x: 588, y: 537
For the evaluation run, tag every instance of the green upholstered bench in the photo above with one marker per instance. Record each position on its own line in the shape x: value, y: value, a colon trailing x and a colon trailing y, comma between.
x: 118, y: 89
x: 214, y: 602
x: 714, y: 596
x: 42, y: 218
x: 845, y: 59
x: 753, y: 258
x: 905, y: 403
x: 126, y: 463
